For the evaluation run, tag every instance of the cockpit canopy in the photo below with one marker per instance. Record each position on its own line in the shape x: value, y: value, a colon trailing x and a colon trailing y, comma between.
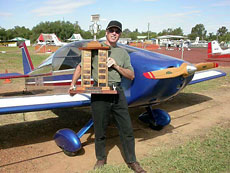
x: 67, y: 57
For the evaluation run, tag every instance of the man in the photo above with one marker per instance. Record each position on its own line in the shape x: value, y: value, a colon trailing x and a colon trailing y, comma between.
x: 103, y: 104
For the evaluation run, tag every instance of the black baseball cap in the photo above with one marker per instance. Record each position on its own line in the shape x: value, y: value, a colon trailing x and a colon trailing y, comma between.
x: 114, y: 24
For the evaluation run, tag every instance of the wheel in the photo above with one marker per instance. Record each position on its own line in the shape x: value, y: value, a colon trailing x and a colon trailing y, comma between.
x: 69, y: 153
x: 156, y: 127
x: 68, y: 141
x: 156, y: 118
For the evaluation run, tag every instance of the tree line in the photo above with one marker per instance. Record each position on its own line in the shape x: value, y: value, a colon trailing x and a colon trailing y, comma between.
x: 65, y: 29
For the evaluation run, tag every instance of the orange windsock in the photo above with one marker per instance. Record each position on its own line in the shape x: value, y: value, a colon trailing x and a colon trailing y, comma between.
x: 7, y: 80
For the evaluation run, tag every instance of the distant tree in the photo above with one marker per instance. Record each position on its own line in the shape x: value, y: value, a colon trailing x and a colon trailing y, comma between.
x: 165, y: 32
x: 3, y: 34
x: 227, y: 37
x: 17, y: 31
x: 77, y: 28
x: 222, y: 31
x: 101, y: 34
x: 211, y: 36
x: 67, y: 29
x: 177, y: 31
x: 170, y: 31
x: 86, y: 34
x: 126, y: 33
x: 153, y: 35
x: 63, y: 29
x: 198, y: 31
x: 222, y: 34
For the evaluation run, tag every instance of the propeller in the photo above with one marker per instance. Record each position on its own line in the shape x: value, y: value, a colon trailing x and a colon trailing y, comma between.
x: 185, y: 70
x: 206, y: 65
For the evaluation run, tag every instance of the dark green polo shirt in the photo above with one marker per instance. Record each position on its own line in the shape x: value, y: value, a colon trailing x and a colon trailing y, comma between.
x: 122, y: 59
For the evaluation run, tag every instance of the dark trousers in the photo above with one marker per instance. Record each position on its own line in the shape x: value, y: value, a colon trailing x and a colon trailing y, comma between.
x: 102, y: 106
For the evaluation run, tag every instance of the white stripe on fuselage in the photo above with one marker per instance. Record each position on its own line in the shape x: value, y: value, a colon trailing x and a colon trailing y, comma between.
x: 56, y: 81
x: 46, y: 82
x: 36, y: 100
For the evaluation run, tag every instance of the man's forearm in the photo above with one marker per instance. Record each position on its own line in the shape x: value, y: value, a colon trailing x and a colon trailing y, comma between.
x: 129, y: 74
x: 76, y: 75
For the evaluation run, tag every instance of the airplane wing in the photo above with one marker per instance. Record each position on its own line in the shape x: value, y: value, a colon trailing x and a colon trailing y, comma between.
x: 19, y: 75
x: 206, y: 75
x: 12, y: 75
x: 36, y: 103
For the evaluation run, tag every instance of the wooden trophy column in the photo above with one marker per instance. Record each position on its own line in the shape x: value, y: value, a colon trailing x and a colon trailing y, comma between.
x: 102, y: 81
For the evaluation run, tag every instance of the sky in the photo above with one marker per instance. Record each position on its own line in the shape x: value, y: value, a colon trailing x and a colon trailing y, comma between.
x: 133, y: 14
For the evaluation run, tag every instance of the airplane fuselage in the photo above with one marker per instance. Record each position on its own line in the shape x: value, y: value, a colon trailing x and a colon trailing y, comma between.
x: 140, y: 91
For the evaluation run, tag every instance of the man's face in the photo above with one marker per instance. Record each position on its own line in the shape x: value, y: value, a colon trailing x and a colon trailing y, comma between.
x: 113, y: 35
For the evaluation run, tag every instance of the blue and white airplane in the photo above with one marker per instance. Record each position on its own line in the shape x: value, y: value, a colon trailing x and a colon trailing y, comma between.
x: 157, y: 78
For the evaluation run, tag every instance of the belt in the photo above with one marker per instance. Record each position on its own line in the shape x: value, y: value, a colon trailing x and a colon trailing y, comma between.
x: 111, y: 85
x: 115, y: 84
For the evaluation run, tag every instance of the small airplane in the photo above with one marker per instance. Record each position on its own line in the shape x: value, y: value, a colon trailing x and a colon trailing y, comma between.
x: 158, y: 78
x: 215, y: 51
x: 197, y: 43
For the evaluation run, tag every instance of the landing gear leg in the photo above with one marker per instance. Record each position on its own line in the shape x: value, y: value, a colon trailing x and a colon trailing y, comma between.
x: 155, y: 118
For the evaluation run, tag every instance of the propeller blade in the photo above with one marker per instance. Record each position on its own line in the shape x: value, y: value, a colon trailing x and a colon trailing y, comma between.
x: 185, y: 70
x: 205, y: 66
x: 167, y: 73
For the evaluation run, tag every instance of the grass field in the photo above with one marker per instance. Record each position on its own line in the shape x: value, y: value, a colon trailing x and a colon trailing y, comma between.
x: 208, y: 153
x: 12, y: 59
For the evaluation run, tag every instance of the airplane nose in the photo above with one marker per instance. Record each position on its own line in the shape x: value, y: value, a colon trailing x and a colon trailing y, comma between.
x: 191, y: 69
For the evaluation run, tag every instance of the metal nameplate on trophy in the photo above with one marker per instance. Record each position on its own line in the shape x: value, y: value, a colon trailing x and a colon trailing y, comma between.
x: 86, y: 66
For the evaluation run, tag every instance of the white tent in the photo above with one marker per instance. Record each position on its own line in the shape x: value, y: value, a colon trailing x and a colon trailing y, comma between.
x: 20, y: 39
x: 49, y: 39
x: 75, y: 37
x: 171, y: 37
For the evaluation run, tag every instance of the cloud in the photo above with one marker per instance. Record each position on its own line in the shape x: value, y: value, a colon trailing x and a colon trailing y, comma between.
x: 221, y: 4
x: 144, y: 0
x: 188, y: 7
x: 5, y: 14
x: 150, y: 0
x: 56, y: 7
x: 185, y: 14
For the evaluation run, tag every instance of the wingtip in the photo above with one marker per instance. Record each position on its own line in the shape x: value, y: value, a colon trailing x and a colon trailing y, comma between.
x: 216, y: 64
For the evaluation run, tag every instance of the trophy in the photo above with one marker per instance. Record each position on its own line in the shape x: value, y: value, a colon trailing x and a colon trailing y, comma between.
x: 86, y: 59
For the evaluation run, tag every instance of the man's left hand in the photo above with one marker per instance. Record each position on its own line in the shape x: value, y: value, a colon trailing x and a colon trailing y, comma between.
x: 111, y: 62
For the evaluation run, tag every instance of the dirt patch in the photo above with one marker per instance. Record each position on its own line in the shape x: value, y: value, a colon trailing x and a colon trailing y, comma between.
x: 28, y: 146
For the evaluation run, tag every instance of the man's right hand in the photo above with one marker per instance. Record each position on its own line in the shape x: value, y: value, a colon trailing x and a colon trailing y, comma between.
x: 71, y: 89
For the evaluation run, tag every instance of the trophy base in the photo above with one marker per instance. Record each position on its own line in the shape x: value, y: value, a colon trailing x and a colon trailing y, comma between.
x: 93, y: 90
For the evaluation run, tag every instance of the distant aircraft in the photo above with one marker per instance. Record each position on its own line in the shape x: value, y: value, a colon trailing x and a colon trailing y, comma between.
x: 157, y: 78
x: 215, y: 51
x: 197, y: 43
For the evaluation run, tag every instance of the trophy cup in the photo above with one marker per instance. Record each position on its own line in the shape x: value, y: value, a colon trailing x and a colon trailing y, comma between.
x: 86, y: 56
